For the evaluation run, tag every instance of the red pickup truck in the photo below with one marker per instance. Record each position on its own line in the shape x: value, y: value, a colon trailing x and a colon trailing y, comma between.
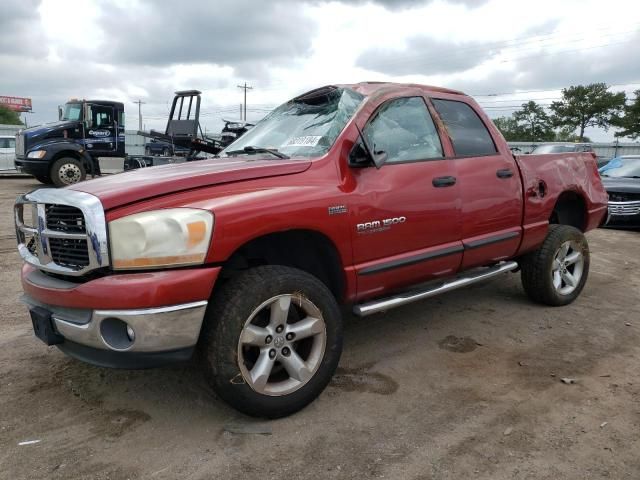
x: 370, y: 195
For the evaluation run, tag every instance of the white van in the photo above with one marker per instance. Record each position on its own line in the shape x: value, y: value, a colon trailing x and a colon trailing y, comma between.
x: 7, y: 152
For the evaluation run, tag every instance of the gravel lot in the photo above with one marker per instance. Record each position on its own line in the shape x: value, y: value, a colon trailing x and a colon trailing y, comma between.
x: 466, y: 385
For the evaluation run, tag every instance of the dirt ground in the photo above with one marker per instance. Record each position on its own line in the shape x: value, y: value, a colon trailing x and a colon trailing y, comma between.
x: 466, y: 385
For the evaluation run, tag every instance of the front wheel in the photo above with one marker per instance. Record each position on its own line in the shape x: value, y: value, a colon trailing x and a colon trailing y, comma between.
x: 272, y: 340
x: 557, y: 271
x: 67, y: 171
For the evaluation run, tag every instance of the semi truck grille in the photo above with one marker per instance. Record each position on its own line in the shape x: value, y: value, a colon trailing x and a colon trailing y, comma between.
x: 19, y: 144
x: 68, y: 237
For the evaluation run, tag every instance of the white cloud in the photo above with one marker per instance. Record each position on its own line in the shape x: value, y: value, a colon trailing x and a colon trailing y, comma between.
x: 126, y: 50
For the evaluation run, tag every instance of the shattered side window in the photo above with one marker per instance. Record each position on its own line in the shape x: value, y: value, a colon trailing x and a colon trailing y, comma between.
x: 306, y: 126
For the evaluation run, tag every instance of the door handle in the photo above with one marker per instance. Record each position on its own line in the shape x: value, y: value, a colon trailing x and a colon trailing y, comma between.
x: 440, y: 182
x: 504, y: 173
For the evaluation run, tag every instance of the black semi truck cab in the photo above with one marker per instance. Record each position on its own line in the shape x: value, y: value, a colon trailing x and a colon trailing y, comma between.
x: 64, y: 152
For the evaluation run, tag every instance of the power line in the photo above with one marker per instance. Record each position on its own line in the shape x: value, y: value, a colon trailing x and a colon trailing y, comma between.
x: 499, y: 47
x: 507, y: 44
x: 516, y: 92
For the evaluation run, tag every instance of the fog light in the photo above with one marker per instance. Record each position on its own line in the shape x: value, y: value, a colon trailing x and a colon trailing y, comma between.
x: 117, y: 335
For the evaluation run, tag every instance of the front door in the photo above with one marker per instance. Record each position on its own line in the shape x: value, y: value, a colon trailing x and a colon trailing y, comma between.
x: 100, y: 135
x: 405, y: 217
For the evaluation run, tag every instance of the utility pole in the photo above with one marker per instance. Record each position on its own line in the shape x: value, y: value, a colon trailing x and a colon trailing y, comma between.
x: 140, y: 103
x: 245, y: 88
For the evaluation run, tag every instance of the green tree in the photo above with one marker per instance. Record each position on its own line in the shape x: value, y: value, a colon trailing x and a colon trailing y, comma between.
x: 533, y: 123
x: 9, y: 117
x: 568, y: 134
x: 630, y: 121
x: 585, y: 106
x: 508, y: 127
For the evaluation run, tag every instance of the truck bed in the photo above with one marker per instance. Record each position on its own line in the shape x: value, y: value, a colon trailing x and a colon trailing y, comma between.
x: 545, y: 178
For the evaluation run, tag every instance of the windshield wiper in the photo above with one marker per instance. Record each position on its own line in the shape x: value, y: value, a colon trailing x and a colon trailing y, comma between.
x: 249, y: 149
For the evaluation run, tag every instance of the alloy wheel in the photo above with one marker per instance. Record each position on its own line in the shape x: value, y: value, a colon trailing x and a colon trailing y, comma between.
x: 282, y: 345
x: 567, y: 267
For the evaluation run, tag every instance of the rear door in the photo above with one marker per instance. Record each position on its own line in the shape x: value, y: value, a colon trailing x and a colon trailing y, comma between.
x: 405, y: 217
x: 489, y: 183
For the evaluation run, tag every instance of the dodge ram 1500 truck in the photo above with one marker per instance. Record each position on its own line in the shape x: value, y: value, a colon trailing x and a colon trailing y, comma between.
x: 371, y: 195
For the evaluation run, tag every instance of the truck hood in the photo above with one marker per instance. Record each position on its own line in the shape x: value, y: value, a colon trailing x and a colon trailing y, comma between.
x: 124, y: 188
x: 623, y: 185
x: 49, y: 127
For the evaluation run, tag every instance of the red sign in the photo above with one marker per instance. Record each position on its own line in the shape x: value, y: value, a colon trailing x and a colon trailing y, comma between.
x: 17, y: 104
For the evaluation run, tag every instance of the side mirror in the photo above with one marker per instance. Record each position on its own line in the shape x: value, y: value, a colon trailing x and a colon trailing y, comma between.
x: 87, y: 115
x: 59, y: 112
x: 358, y: 157
x: 378, y: 158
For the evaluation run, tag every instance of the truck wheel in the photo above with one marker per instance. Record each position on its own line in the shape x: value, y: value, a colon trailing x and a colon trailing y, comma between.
x: 556, y: 273
x: 271, y: 340
x: 165, y: 152
x: 67, y: 171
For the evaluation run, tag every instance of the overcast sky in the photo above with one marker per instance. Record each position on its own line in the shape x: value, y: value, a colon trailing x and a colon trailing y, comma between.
x: 53, y: 50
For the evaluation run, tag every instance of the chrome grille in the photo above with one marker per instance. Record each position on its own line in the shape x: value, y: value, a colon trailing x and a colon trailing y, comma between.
x: 61, y: 231
x: 19, y: 144
x: 63, y: 218
x: 69, y: 252
x: 624, y: 208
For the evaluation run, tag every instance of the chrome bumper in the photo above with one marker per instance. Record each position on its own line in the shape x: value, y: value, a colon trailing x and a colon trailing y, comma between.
x: 143, y: 330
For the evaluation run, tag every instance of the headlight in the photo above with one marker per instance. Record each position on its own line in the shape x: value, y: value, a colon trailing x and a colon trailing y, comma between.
x: 37, y: 154
x: 175, y: 236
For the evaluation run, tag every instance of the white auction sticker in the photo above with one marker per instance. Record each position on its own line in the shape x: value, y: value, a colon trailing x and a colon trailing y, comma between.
x: 308, y: 141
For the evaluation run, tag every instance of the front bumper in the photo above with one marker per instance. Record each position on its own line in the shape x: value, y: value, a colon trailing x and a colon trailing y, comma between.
x: 32, y: 166
x: 127, y: 338
x: 129, y: 320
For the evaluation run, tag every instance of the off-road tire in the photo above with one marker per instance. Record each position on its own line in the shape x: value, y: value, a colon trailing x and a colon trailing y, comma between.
x: 229, y: 309
x: 537, y: 267
x: 57, y: 180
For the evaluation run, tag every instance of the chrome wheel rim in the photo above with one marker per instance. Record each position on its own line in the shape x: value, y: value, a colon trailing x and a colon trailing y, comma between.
x: 282, y: 345
x: 69, y: 173
x: 567, y: 267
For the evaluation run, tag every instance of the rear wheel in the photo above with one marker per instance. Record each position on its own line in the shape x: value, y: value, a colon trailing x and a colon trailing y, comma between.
x: 556, y: 273
x: 67, y: 171
x: 272, y: 340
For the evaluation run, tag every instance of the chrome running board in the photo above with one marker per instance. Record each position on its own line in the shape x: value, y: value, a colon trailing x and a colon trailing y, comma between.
x: 375, y: 306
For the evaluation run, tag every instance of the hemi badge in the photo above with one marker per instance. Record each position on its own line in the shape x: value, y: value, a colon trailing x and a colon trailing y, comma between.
x: 337, y: 209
